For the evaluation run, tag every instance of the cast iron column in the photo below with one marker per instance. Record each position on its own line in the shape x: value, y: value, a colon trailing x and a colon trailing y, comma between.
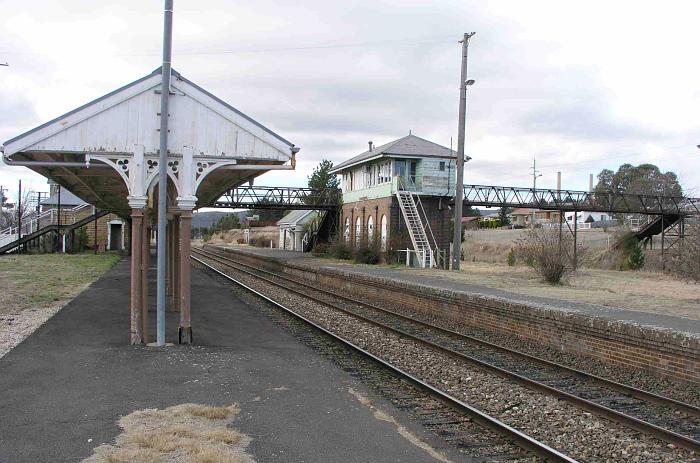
x: 185, y: 331
x: 136, y: 322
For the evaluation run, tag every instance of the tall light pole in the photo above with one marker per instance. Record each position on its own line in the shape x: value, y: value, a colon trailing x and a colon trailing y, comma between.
x: 163, y: 171
x: 535, y: 173
x: 459, y: 183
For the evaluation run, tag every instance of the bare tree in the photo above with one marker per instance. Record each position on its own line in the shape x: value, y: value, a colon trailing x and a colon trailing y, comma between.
x: 10, y: 216
x: 544, y: 252
x: 685, y: 262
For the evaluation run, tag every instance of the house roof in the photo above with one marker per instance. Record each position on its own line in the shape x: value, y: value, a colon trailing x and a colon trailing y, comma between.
x: 295, y: 217
x: 523, y: 211
x: 67, y: 199
x: 409, y: 146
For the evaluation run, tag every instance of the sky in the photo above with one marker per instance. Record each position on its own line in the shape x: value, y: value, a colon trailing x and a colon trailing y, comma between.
x: 580, y: 86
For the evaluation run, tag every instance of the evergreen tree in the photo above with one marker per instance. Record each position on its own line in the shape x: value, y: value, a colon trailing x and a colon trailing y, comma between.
x: 322, y: 179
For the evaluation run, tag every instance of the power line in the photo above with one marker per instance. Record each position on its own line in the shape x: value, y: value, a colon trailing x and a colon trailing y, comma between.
x: 383, y: 43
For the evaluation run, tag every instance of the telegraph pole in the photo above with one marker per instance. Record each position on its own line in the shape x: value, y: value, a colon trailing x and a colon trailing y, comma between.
x: 163, y: 171
x: 535, y: 173
x: 459, y: 183
x: 19, y: 215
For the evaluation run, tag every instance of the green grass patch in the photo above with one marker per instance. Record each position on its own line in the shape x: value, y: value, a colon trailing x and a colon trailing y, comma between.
x: 42, y: 280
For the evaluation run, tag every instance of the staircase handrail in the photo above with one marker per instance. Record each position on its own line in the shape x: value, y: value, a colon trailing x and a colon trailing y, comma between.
x: 427, y: 222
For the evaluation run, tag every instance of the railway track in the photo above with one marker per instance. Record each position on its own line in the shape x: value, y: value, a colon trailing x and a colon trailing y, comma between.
x: 663, y: 418
x: 490, y: 441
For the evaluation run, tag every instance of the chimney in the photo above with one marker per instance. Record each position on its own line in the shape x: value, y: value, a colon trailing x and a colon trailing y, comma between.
x: 370, y: 145
x: 590, y: 183
x: 558, y: 180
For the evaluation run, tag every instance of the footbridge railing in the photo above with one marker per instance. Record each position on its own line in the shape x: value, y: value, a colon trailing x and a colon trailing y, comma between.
x: 287, y: 198
x: 570, y: 200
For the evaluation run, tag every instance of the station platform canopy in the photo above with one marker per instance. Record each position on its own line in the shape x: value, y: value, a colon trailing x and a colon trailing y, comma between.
x: 107, y: 154
x: 106, y: 151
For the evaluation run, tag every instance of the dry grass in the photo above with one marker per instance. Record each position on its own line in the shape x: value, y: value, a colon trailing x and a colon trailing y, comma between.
x: 186, y: 432
x: 644, y: 291
x: 43, y: 280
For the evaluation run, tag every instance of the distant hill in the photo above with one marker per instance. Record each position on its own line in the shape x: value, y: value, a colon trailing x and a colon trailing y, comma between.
x: 207, y: 219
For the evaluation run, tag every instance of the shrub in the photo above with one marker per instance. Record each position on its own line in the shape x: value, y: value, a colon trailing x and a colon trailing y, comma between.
x: 685, y: 263
x: 240, y: 241
x: 539, y: 249
x: 636, y: 257
x: 340, y: 250
x: 321, y: 249
x: 367, y: 255
x: 510, y: 258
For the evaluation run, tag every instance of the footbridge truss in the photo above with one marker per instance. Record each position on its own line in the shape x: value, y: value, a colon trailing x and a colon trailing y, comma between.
x: 570, y: 200
x: 286, y: 198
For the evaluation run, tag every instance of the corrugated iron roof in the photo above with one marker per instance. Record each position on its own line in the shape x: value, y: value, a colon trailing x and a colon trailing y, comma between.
x: 294, y: 217
x: 410, y: 146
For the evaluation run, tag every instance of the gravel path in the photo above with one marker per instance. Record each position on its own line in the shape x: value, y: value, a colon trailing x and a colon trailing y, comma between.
x: 559, y: 424
x: 16, y: 327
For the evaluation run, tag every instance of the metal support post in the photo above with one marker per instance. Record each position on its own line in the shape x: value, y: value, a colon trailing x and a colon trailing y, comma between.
x: 58, y: 220
x: 136, y: 322
x: 163, y: 169
x: 575, y: 240
x: 185, y: 330
x: 663, y: 244
x: 459, y: 184
x: 19, y: 215
x: 561, y: 227
x: 94, y: 237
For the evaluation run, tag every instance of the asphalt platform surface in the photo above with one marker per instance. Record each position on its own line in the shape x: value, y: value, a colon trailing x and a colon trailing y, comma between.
x: 64, y: 388
x: 406, y: 275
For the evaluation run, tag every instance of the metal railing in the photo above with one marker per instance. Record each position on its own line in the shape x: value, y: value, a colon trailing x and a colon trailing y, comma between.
x: 35, y: 221
x: 570, y: 200
x: 287, y: 198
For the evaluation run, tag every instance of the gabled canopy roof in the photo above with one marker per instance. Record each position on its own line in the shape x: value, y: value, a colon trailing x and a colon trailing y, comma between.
x: 116, y: 123
x: 124, y: 117
x: 408, y: 146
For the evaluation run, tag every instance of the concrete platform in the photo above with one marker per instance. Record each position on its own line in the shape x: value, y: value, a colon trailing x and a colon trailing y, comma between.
x: 680, y: 324
x: 65, y: 387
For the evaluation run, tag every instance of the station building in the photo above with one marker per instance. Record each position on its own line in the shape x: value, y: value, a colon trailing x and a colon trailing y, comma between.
x: 397, y: 196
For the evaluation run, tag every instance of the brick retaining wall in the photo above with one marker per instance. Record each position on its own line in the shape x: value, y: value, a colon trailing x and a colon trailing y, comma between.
x: 659, y: 351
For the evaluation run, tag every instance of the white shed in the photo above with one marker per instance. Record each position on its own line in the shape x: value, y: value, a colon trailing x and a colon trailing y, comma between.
x: 294, y: 229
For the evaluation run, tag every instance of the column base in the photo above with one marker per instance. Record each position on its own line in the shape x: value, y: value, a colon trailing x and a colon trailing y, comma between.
x: 185, y: 335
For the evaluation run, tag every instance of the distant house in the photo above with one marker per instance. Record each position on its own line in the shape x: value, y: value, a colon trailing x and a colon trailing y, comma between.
x: 111, y: 230
x: 588, y: 217
x: 523, y: 216
x: 293, y: 229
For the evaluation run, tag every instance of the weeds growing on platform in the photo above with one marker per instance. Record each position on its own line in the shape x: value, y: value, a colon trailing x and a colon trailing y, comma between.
x: 186, y: 432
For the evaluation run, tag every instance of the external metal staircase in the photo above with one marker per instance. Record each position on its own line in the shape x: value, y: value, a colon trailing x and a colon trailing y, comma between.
x: 10, y: 240
x: 416, y: 230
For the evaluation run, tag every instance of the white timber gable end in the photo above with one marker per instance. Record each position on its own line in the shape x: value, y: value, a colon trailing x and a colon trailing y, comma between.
x: 121, y: 129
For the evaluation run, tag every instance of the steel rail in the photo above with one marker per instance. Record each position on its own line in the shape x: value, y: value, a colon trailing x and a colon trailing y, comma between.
x: 521, y: 439
x: 617, y: 386
x: 622, y: 418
